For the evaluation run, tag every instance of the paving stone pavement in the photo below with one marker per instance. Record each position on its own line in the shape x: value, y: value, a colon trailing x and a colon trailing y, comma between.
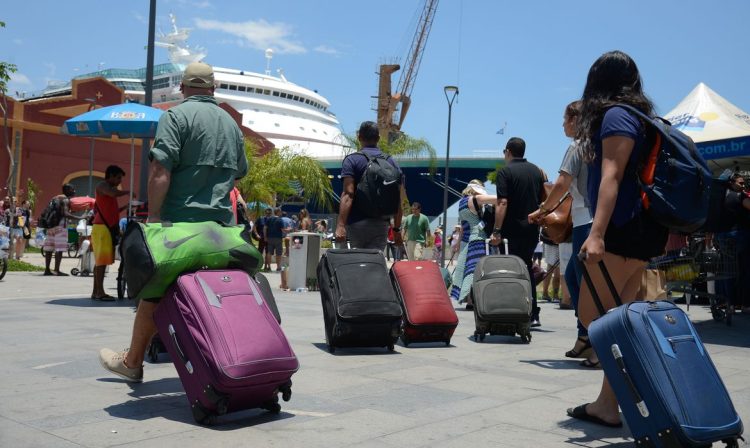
x: 500, y: 393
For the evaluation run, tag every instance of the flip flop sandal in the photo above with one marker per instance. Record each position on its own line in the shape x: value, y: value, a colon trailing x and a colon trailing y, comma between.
x: 578, y: 353
x: 581, y: 414
x: 589, y: 364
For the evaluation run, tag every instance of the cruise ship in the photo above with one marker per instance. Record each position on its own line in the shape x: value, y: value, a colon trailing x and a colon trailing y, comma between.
x: 283, y: 112
x: 286, y: 114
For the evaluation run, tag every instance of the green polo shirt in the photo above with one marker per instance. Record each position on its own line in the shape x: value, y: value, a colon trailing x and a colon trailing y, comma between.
x: 202, y: 146
x: 416, y: 228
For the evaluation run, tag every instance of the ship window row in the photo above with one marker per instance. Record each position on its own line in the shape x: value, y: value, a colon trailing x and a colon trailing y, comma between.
x: 276, y: 93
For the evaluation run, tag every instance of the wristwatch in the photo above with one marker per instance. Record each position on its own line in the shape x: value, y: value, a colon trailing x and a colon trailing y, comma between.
x: 496, y: 231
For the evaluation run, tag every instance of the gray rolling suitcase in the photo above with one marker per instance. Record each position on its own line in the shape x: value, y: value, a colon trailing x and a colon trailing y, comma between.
x: 501, y: 293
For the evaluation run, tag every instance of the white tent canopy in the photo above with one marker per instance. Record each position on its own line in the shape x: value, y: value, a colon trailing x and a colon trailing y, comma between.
x: 720, y: 129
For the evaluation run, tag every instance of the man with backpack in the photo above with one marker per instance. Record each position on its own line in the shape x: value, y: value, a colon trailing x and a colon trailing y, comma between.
x: 54, y: 220
x: 373, y: 185
x: 520, y: 186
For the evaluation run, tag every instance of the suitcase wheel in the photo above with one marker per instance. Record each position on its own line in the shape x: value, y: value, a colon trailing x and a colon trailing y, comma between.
x: 153, y: 353
x: 479, y: 337
x: 331, y: 348
x: 448, y: 343
x: 391, y: 347
x: 74, y: 271
x: 526, y: 338
x: 202, y: 415
x: 286, y: 391
x: 273, y: 406
x: 405, y: 340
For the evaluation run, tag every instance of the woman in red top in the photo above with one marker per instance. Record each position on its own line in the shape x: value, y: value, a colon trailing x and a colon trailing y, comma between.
x: 106, y: 221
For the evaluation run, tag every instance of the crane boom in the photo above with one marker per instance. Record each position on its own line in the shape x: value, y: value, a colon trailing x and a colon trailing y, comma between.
x: 388, y: 101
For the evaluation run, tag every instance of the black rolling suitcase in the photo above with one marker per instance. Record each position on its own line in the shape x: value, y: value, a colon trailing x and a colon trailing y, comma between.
x: 501, y: 293
x: 360, y: 307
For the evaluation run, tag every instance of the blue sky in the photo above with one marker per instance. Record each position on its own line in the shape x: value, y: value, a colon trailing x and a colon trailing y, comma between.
x: 518, y: 62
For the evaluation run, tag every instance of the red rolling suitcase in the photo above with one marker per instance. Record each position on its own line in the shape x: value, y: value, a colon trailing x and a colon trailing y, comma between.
x: 226, y: 344
x: 428, y: 312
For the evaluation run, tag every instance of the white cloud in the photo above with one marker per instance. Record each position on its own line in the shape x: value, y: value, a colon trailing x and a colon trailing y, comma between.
x: 17, y: 41
x: 139, y: 17
x: 325, y: 49
x: 258, y: 34
x: 20, y: 79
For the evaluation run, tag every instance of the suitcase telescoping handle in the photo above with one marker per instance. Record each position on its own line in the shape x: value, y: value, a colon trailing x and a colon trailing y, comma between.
x: 639, y: 403
x: 188, y: 364
x: 590, y: 283
x: 616, y: 352
x: 348, y: 244
x: 488, y: 247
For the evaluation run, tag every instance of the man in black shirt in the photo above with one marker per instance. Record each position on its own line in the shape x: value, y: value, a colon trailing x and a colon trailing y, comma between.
x: 520, y: 185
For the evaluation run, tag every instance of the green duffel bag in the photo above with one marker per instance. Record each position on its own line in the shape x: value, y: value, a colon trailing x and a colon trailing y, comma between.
x: 156, y: 254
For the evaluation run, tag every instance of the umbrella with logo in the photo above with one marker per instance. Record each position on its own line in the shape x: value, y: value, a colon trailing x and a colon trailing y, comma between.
x: 128, y: 120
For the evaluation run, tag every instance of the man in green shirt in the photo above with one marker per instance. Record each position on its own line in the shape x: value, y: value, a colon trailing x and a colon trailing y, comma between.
x: 197, y: 155
x: 416, y: 232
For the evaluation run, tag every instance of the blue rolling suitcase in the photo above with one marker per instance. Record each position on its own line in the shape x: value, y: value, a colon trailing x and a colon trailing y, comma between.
x: 668, y: 389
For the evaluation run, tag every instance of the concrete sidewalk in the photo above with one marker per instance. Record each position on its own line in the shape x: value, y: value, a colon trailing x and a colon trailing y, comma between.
x: 500, y: 393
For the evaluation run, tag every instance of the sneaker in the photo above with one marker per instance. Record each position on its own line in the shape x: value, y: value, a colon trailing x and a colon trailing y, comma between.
x: 535, y: 322
x: 115, y: 363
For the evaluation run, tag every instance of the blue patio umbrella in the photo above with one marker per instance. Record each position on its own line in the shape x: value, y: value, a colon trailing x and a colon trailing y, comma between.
x: 127, y: 120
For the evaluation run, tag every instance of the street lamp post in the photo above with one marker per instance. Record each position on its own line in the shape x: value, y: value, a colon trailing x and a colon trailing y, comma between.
x: 450, y: 94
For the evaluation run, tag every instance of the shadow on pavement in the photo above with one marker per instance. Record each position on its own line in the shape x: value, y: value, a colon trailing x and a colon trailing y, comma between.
x: 165, y: 398
x: 499, y: 339
x: 88, y: 302
x: 719, y: 333
x: 355, y: 351
x: 557, y: 364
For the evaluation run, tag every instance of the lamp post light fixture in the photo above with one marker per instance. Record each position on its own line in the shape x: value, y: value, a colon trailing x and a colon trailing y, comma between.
x: 450, y: 94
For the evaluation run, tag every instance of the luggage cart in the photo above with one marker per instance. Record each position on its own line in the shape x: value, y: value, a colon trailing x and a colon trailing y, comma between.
x: 702, y: 269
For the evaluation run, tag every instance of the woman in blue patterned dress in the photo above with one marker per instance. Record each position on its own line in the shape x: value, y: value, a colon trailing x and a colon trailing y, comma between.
x: 473, y: 241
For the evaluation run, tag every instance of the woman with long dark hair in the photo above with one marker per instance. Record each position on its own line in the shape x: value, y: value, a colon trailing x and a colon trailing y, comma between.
x: 623, y: 235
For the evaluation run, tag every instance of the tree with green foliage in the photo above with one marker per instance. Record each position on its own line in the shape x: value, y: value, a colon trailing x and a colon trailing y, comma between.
x: 6, y: 69
x: 270, y: 178
x: 404, y: 146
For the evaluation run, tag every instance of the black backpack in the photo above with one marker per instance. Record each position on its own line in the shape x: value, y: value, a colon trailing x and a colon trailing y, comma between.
x: 379, y: 190
x: 51, y: 215
x: 486, y: 213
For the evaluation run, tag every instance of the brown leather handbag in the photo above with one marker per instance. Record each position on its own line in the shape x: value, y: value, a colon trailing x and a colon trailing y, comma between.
x: 558, y: 224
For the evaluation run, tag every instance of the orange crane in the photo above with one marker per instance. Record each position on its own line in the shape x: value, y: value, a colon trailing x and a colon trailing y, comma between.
x: 390, y: 118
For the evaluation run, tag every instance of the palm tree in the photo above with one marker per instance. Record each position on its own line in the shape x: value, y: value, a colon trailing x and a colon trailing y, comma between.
x: 404, y: 146
x: 273, y: 176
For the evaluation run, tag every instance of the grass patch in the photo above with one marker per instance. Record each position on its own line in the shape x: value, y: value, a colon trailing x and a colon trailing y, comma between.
x: 32, y: 250
x: 22, y: 266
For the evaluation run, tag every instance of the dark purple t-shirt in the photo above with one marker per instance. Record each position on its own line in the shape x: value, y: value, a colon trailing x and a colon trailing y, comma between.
x: 354, y: 166
x: 618, y: 122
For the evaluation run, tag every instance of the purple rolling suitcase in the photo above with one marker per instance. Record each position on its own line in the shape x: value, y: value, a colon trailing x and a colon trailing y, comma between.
x: 668, y: 389
x: 227, y: 346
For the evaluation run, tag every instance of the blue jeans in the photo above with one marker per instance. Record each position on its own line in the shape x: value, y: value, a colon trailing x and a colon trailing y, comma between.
x: 573, y: 271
